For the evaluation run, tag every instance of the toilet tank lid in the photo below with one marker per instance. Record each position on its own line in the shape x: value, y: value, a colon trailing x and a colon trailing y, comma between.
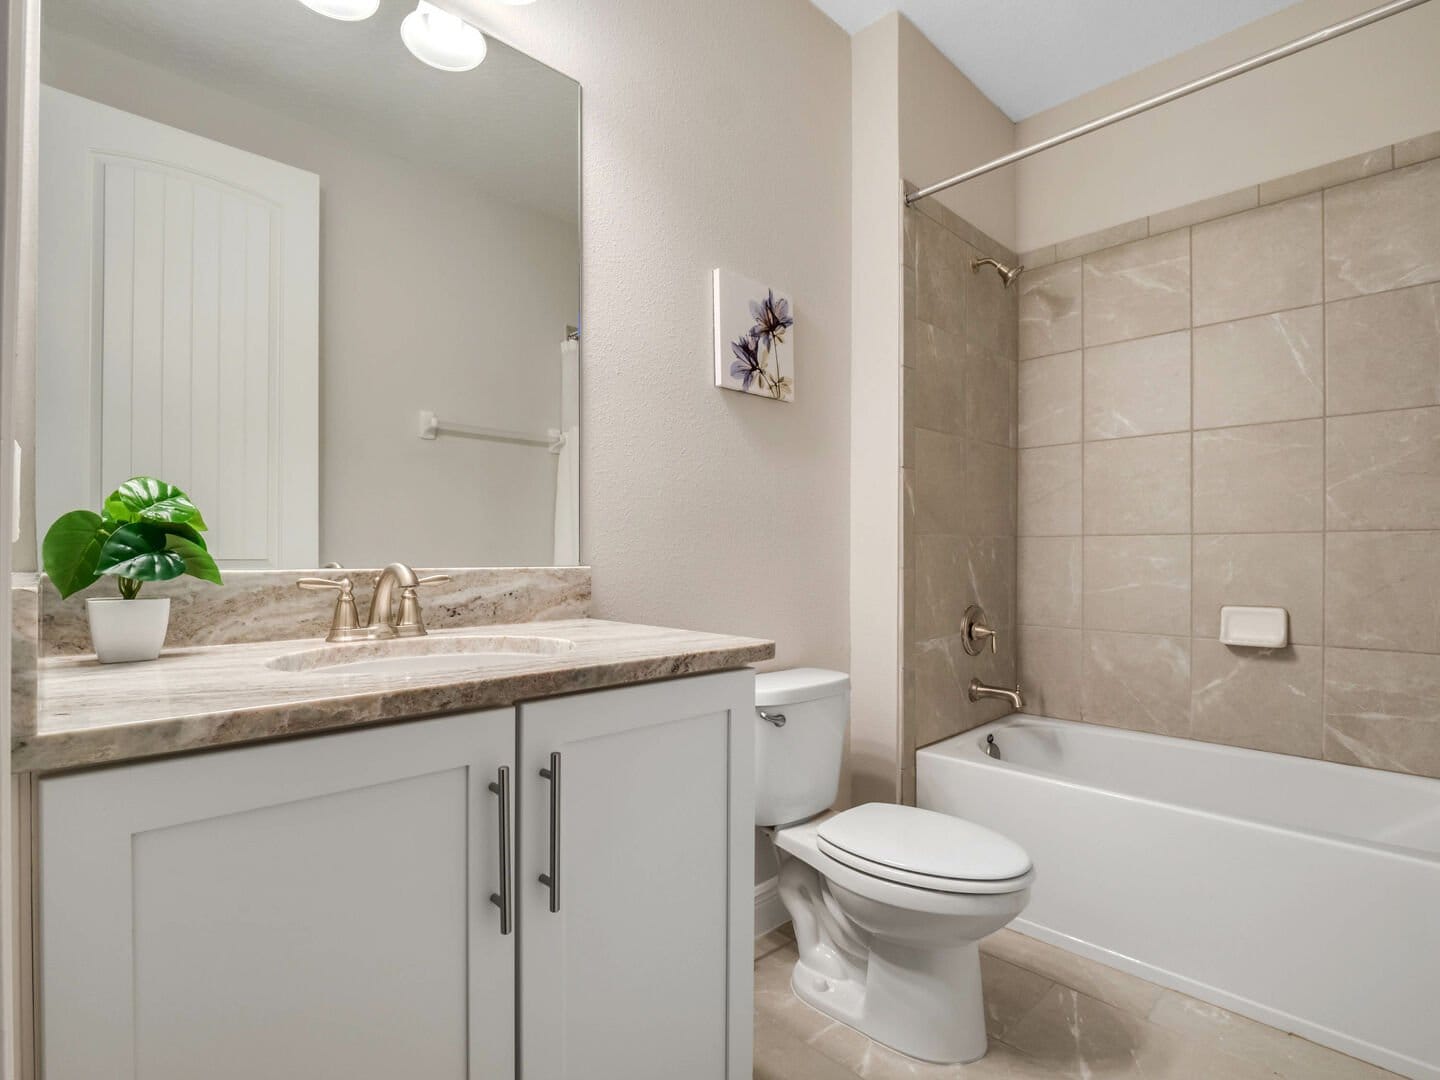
x: 798, y: 684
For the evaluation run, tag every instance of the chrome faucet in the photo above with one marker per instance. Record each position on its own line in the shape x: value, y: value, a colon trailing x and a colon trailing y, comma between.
x: 979, y: 691
x: 383, y: 621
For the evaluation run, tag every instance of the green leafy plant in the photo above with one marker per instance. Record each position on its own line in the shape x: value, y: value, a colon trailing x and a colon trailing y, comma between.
x: 147, y: 530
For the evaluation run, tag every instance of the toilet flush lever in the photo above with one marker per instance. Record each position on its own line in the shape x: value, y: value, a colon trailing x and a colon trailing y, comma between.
x: 776, y: 718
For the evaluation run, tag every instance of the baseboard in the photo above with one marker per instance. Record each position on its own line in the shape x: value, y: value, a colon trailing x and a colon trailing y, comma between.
x: 770, y: 914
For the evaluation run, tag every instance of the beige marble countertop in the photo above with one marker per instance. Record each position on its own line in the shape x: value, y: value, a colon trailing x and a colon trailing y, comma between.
x: 200, y: 698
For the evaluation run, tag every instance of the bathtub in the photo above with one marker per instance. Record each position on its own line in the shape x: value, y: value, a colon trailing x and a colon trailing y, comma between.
x: 1300, y: 893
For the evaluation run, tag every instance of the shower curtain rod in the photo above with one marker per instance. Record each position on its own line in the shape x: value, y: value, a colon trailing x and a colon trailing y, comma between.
x: 1384, y: 11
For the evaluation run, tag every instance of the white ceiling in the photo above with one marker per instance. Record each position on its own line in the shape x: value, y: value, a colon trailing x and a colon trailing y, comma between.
x: 512, y: 124
x: 1027, y: 55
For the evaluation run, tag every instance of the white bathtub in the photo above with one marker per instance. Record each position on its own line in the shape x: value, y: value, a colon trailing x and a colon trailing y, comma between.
x: 1301, y: 893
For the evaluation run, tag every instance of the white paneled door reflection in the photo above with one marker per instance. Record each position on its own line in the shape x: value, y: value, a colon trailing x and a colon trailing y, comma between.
x: 178, y: 327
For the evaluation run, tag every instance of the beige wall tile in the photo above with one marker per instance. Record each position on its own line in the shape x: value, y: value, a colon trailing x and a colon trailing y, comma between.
x: 942, y: 270
x: 1383, y: 351
x: 991, y: 310
x: 1383, y: 232
x: 1049, y: 481
x: 1139, y: 289
x: 1259, y: 570
x: 1039, y: 258
x: 1422, y: 148
x: 934, y: 378
x: 1382, y: 591
x: 1137, y: 681
x: 1336, y: 172
x: 1050, y: 400
x: 1383, y: 470
x: 952, y: 572
x: 942, y: 671
x: 1139, y: 584
x: 1266, y: 699
x: 937, y: 502
x: 1382, y: 709
x: 1260, y: 261
x: 1261, y: 478
x: 1232, y: 202
x: 1048, y: 578
x: 1049, y: 668
x: 1261, y: 369
x: 1139, y: 387
x: 1135, y: 486
x: 989, y: 405
x: 1050, y: 309
x: 988, y: 503
x: 1103, y: 238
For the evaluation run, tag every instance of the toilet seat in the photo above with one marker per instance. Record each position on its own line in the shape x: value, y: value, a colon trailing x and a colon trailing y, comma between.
x: 924, y: 849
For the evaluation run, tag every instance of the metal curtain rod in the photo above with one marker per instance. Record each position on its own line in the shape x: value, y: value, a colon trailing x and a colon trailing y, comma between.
x: 1395, y: 7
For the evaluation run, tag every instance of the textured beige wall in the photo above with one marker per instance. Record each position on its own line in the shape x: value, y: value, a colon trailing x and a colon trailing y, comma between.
x: 1378, y: 85
x: 715, y: 135
x: 875, y: 415
x: 947, y: 126
x: 1243, y: 409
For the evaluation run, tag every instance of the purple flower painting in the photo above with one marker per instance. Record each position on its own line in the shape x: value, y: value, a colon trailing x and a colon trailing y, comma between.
x: 754, y: 338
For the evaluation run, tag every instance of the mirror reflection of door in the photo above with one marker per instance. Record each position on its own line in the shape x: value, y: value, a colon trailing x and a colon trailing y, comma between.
x: 179, y: 313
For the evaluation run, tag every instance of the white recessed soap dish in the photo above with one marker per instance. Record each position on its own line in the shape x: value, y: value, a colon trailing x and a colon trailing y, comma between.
x: 1255, y: 627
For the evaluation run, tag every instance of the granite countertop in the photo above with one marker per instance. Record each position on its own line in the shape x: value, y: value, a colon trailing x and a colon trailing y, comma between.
x: 200, y: 698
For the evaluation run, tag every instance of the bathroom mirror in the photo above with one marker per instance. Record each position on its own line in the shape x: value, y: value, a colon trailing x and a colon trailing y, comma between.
x: 329, y: 290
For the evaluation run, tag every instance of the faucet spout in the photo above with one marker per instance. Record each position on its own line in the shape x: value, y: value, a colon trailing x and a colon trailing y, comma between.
x: 979, y: 692
x: 382, y: 604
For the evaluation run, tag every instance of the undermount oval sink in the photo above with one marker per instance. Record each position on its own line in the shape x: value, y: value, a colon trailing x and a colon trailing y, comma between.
x: 420, y: 657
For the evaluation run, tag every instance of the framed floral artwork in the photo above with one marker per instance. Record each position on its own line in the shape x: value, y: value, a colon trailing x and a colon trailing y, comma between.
x: 754, y: 338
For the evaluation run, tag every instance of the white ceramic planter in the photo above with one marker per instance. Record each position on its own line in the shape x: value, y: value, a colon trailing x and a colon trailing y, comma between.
x: 123, y: 631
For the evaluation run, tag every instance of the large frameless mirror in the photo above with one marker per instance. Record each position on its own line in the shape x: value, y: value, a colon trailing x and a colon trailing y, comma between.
x: 328, y: 289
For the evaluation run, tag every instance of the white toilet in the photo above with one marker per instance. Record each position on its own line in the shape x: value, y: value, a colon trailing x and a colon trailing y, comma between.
x: 888, y: 902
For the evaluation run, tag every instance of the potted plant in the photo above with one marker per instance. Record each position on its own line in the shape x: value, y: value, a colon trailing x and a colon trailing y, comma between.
x: 148, y: 530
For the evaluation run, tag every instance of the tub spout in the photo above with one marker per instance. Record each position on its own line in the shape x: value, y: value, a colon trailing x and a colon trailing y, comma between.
x: 979, y: 691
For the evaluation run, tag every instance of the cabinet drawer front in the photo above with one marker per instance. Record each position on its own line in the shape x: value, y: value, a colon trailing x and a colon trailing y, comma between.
x: 644, y: 971
x: 302, y: 909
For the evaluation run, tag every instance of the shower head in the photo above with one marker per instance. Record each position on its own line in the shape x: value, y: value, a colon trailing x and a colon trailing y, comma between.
x: 1007, y: 273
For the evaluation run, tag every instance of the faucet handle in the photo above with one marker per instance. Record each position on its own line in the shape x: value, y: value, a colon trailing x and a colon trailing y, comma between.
x: 433, y: 579
x: 346, y: 619
x: 975, y: 631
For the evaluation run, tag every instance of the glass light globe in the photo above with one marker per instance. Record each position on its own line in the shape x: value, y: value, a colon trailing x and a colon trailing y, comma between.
x: 344, y: 10
x: 442, y: 40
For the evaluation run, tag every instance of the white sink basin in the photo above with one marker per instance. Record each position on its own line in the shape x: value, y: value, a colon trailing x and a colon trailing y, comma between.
x: 427, y: 657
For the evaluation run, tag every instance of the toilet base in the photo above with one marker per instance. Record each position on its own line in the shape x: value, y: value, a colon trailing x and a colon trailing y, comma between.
x: 925, y: 1003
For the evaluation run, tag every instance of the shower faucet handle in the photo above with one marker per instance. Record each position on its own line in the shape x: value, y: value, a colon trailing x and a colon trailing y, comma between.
x: 976, y: 631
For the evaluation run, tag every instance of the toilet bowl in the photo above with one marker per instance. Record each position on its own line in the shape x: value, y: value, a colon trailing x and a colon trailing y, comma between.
x: 889, y: 903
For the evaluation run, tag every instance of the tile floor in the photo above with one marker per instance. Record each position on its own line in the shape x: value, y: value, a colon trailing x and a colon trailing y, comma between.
x: 1050, y: 1013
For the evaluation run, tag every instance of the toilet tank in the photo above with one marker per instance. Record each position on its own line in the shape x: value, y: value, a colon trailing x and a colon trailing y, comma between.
x: 797, y: 763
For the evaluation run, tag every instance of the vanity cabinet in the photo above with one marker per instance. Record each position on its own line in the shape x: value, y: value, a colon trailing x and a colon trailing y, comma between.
x: 332, y: 906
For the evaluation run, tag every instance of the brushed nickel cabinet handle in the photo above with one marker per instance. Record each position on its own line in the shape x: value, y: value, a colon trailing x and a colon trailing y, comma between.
x: 504, y: 899
x: 552, y: 879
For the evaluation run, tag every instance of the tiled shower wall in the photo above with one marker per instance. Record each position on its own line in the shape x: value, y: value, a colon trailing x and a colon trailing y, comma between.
x: 958, y: 476
x: 1239, y: 403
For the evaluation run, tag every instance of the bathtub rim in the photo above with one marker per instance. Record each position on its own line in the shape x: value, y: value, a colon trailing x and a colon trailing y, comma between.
x: 973, y: 754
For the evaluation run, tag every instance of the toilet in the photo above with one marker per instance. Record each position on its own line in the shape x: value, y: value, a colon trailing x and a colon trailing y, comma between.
x: 889, y: 903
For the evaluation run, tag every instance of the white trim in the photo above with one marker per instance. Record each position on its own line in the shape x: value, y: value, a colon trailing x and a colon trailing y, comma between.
x: 770, y: 914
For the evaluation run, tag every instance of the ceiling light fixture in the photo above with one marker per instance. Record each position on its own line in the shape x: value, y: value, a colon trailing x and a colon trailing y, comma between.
x: 442, y: 40
x: 344, y: 10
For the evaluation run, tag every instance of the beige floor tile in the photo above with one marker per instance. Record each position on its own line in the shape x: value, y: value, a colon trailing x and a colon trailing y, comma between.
x: 779, y: 1055
x: 1011, y: 992
x: 765, y: 944
x: 1135, y: 996
x: 1287, y: 1055
x: 1076, y: 1034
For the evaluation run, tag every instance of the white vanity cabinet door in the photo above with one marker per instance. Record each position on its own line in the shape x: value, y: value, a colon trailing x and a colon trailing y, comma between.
x: 296, y: 911
x: 644, y: 972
